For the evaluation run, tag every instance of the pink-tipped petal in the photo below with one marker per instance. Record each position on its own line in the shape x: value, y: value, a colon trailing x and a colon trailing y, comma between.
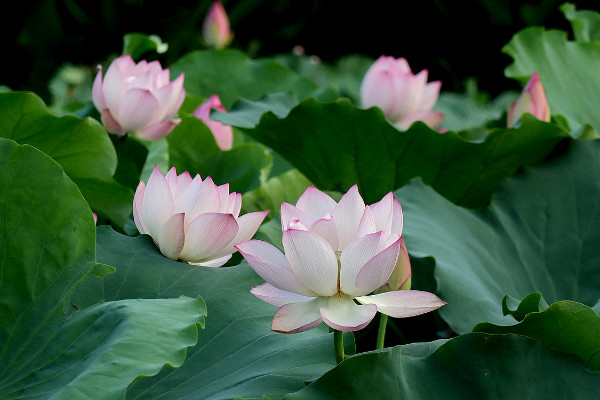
x: 353, y: 259
x: 157, y: 205
x: 367, y: 223
x: 431, y: 94
x: 207, y: 199
x: 158, y: 130
x: 138, y: 207
x: 172, y: 238
x: 402, y: 271
x: 298, y: 317
x: 313, y: 261
x: 111, y: 125
x: 289, y: 212
x: 403, y: 303
x: 271, y: 265
x: 343, y: 314
x: 383, y: 213
x: 347, y: 215
x: 206, y: 235
x: 275, y: 296
x: 377, y: 271
x: 315, y: 203
x: 248, y: 225
x: 137, y: 109
x: 97, y: 93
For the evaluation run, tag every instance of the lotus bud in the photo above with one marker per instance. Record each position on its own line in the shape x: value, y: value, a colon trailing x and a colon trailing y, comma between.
x: 402, y: 96
x: 216, y: 31
x: 223, y: 133
x: 532, y: 101
x: 138, y: 99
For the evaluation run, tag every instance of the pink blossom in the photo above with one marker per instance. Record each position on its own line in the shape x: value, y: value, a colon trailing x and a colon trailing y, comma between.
x: 402, y: 96
x: 335, y: 253
x: 192, y: 220
x: 223, y: 133
x: 138, y: 99
x: 532, y: 101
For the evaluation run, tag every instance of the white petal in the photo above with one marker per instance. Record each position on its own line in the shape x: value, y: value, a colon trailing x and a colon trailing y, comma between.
x: 403, y: 303
x: 313, y: 261
x: 343, y: 314
x: 172, y: 238
x: 248, y: 225
x: 347, y: 215
x: 377, y: 271
x: 315, y: 203
x: 298, y: 317
x: 326, y: 228
x: 289, y: 212
x: 206, y: 235
x: 157, y: 206
x: 213, y: 262
x: 354, y: 257
x: 271, y: 265
x: 138, y: 207
x: 275, y: 296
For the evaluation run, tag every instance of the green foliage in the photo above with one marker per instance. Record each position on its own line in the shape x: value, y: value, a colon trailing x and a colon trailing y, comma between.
x: 231, y: 75
x: 237, y: 355
x: 138, y: 44
x: 336, y: 145
x: 585, y: 23
x: 192, y: 148
x: 566, y: 326
x: 471, y: 366
x: 568, y: 71
x: 539, y: 234
x: 80, y: 146
x: 47, y: 242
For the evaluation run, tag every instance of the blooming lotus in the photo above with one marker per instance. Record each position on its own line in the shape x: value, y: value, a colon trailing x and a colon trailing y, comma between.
x: 532, y: 100
x: 340, y: 223
x: 404, y: 97
x: 138, y: 99
x: 192, y: 220
x: 333, y: 257
x: 215, y: 30
x: 223, y: 133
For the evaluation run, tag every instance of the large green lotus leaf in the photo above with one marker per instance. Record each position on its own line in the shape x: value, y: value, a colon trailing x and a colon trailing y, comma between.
x: 192, y: 148
x: 80, y: 146
x: 237, y: 355
x: 585, y: 23
x: 47, y: 237
x: 231, y: 74
x: 472, y: 366
x: 540, y: 233
x: 568, y: 70
x: 566, y: 326
x: 336, y: 145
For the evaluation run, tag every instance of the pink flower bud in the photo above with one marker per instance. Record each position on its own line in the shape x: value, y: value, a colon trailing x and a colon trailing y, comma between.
x: 138, y: 99
x: 404, y: 97
x: 223, y: 133
x: 216, y: 31
x: 532, y: 101
x: 192, y: 220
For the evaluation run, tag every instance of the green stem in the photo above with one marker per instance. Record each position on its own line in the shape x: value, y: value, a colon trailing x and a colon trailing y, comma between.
x: 383, y: 319
x: 338, y: 344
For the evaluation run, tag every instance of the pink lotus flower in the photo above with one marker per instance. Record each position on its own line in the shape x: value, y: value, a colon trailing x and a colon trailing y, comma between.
x: 223, y: 133
x: 532, y: 100
x: 333, y: 256
x: 216, y: 31
x: 138, y: 99
x: 404, y: 97
x: 192, y: 220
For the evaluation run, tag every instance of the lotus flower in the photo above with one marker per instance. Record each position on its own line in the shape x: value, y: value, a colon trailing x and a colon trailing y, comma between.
x: 138, y: 99
x: 192, y: 220
x: 404, y: 97
x: 223, y: 133
x: 532, y: 100
x: 216, y: 31
x: 332, y: 259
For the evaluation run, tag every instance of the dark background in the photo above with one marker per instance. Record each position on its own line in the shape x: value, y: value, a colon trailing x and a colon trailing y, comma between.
x: 454, y: 40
